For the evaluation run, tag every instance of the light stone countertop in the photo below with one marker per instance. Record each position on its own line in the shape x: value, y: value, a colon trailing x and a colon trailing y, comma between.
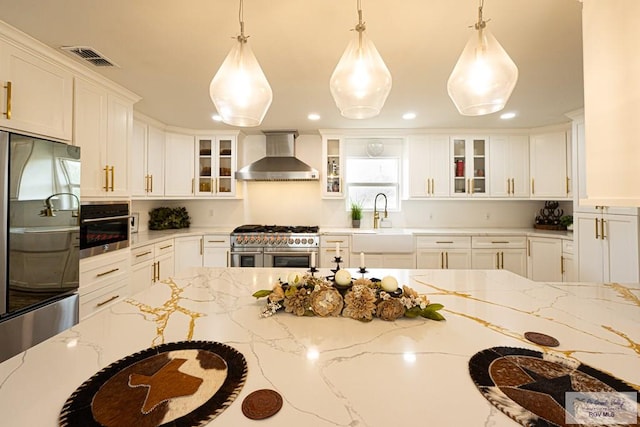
x: 338, y: 371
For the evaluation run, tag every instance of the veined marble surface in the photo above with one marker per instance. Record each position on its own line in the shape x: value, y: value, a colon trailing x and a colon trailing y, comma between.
x: 339, y: 371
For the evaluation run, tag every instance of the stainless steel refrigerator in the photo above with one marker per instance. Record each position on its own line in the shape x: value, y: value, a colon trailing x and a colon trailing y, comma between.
x: 39, y: 240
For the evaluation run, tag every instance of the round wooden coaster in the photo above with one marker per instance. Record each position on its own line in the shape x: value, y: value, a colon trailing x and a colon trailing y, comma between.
x: 261, y: 404
x: 542, y: 339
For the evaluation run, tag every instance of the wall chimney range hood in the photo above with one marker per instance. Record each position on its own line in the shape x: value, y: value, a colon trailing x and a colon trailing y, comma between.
x: 280, y: 163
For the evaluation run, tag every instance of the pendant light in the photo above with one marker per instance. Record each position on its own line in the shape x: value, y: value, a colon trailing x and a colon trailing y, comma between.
x: 361, y: 81
x: 239, y: 90
x: 484, y: 76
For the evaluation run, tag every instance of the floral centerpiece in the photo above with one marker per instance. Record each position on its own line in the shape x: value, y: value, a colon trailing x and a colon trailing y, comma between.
x: 364, y: 299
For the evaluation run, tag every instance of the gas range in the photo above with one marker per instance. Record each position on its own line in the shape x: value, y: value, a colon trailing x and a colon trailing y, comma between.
x: 275, y: 236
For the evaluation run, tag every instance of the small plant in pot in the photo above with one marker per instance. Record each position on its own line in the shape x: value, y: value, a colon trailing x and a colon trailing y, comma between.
x: 356, y: 214
x: 567, y: 222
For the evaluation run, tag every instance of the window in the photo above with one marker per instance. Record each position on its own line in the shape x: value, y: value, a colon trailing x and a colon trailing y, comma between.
x: 369, y: 172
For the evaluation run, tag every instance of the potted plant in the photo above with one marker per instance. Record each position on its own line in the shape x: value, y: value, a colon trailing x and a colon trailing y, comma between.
x: 567, y: 222
x: 356, y: 214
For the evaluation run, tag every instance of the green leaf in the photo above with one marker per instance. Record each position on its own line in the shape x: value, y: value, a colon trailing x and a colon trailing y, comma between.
x: 291, y: 290
x: 412, y: 312
x: 262, y: 293
x: 433, y: 315
x: 434, y: 307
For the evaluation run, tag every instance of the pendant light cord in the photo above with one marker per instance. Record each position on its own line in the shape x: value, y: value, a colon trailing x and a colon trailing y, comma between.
x: 241, y: 38
x: 481, y: 22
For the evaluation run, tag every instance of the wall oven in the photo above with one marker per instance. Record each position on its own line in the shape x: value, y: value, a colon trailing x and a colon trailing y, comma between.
x: 104, y: 227
x: 274, y: 246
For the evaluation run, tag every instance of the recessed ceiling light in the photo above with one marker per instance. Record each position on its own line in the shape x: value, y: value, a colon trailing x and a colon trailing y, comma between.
x: 409, y: 116
x: 217, y: 117
x: 313, y: 116
x: 507, y: 116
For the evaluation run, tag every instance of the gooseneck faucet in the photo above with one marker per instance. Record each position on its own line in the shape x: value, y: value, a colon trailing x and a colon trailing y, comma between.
x: 376, y: 214
x: 49, y: 209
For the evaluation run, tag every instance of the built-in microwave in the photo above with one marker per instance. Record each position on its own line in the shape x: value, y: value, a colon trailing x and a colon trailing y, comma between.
x: 104, y: 227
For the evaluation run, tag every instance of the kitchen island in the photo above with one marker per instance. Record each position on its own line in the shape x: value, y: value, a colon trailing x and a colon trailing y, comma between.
x: 338, y: 371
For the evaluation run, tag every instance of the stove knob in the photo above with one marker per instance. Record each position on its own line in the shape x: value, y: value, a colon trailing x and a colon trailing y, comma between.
x: 304, y: 241
x: 246, y: 239
x: 297, y: 241
x: 272, y: 240
x: 239, y: 240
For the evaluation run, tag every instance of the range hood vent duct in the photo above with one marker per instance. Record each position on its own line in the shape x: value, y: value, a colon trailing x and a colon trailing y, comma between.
x: 280, y: 163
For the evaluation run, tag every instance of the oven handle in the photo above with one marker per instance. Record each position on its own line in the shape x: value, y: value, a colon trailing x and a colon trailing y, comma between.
x: 109, y: 218
x: 279, y: 253
x: 246, y: 253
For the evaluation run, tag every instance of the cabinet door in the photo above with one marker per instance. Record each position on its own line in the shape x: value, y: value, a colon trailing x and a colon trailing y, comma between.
x: 427, y: 161
x: 621, y: 234
x: 509, y: 166
x: 590, y: 248
x: 180, y: 169
x: 568, y: 268
x: 142, y: 276
x: 514, y: 260
x: 90, y: 134
x: 138, y: 159
x: 548, y: 160
x: 485, y: 259
x: 165, y: 265
x: 430, y: 259
x: 119, y: 122
x: 216, y: 257
x: 41, y: 99
x: 188, y: 252
x: 398, y: 261
x: 332, y: 176
x: 545, y: 259
x: 458, y: 259
x: 469, y: 167
x: 155, y: 161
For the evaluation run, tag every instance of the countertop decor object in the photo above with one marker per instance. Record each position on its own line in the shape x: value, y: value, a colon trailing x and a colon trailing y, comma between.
x: 549, y: 217
x: 541, y: 389
x: 261, y: 404
x: 166, y: 218
x: 185, y: 383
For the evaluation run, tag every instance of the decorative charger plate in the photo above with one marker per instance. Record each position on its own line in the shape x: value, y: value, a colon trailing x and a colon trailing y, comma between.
x: 531, y: 388
x: 185, y: 383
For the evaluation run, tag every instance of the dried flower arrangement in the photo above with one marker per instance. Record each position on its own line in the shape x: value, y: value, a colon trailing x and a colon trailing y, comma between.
x: 307, y: 295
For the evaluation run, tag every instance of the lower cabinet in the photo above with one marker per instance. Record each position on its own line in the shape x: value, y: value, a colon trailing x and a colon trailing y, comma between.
x: 189, y: 252
x: 384, y: 260
x: 104, y: 280
x: 151, y: 264
x: 443, y: 252
x: 328, y: 250
x: 216, y: 250
x: 500, y: 253
x: 545, y: 259
x: 569, y: 273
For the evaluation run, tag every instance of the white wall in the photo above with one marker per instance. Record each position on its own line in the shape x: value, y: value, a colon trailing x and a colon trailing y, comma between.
x: 300, y: 203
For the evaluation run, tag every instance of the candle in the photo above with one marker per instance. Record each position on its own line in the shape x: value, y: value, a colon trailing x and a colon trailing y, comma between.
x: 362, y: 260
x: 337, y: 249
x: 313, y: 259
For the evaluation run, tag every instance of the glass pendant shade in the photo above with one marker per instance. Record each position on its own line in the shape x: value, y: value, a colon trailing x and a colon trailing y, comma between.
x: 239, y: 90
x: 484, y: 76
x: 361, y: 81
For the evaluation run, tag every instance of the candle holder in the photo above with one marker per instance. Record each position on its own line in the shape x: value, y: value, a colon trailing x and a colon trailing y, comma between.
x: 312, y: 270
x: 363, y: 270
x: 337, y: 260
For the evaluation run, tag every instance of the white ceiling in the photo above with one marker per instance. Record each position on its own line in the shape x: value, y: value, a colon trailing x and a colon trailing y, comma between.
x: 168, y: 51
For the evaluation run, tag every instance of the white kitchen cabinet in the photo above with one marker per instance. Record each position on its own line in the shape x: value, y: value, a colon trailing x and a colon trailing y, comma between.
x: 549, y: 166
x: 328, y: 250
x: 443, y: 252
x: 426, y: 166
x: 102, y: 128
x: 104, y: 280
x: 216, y: 250
x: 180, y: 168
x: 151, y: 264
x: 545, y: 259
x: 189, y: 252
x: 509, y: 166
x: 37, y: 93
x: 607, y: 247
x: 469, y: 166
x: 147, y: 161
x: 499, y: 252
x: 332, y: 177
x: 568, y: 264
x: 216, y: 166
x: 387, y: 260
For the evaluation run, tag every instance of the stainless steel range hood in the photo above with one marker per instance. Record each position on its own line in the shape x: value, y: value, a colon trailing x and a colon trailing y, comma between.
x: 280, y: 163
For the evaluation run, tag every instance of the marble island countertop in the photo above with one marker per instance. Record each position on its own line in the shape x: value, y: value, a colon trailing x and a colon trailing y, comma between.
x: 338, y: 371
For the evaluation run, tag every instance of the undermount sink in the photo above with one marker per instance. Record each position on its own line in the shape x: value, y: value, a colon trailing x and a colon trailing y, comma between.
x: 382, y: 240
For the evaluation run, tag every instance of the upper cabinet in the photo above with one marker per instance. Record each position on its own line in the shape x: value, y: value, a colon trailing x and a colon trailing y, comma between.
x: 216, y: 166
x: 426, y: 171
x: 509, y: 166
x: 102, y: 128
x: 147, y: 160
x: 332, y: 176
x: 180, y: 150
x: 37, y: 94
x: 550, y: 166
x: 468, y: 171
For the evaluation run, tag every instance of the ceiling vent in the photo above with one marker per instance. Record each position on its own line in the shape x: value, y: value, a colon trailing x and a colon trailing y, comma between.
x: 89, y: 54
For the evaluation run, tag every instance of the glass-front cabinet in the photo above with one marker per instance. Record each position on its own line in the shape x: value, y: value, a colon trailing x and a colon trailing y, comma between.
x: 469, y: 166
x: 332, y: 173
x: 215, y: 166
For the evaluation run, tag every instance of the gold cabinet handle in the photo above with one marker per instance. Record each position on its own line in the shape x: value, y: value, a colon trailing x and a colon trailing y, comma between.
x: 433, y: 186
x: 113, y: 270
x: 106, y: 178
x: 228, y: 259
x: 442, y: 242
x: 568, y: 185
x: 502, y: 260
x: 201, y: 246
x: 602, y: 235
x: 441, y: 259
x: 528, y: 248
x: 143, y: 254
x: 497, y: 260
x: 158, y: 270
x: 113, y: 181
x: 597, y: 234
x: 562, y: 270
x: 215, y: 241
x: 193, y: 183
x: 533, y: 186
x: 446, y: 259
x: 513, y: 186
x: 151, y: 182
x: 8, y: 88
x: 471, y: 187
x: 500, y: 242
x: 427, y: 184
x: 165, y: 247
x: 107, y: 301
x: 508, y: 186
